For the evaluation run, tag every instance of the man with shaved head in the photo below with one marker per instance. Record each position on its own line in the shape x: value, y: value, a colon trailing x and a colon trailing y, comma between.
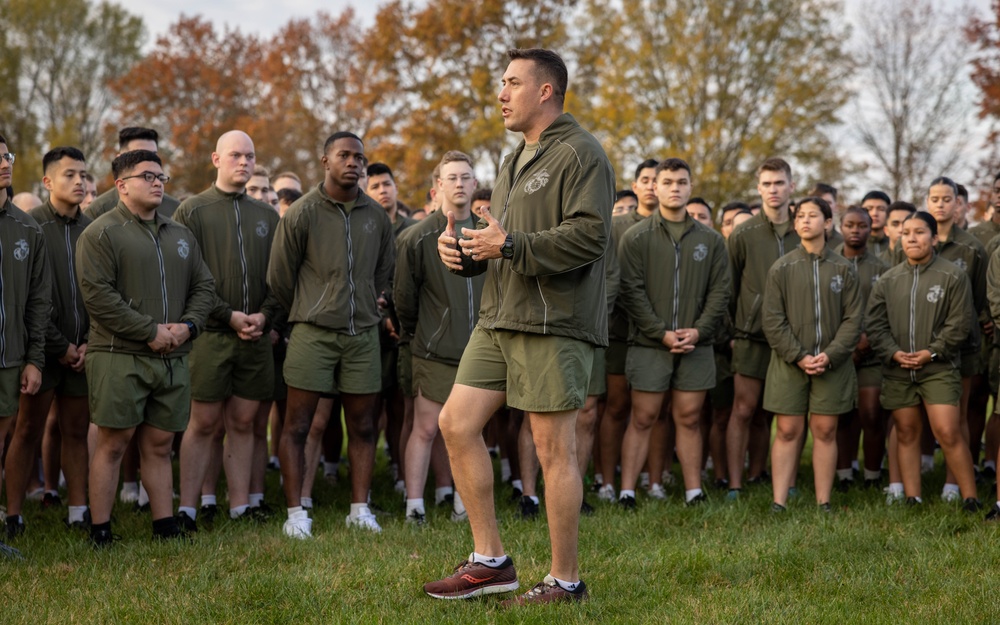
x: 132, y: 138
x: 232, y: 369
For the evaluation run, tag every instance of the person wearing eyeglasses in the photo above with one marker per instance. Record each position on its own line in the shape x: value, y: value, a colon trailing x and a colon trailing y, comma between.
x: 232, y: 367
x: 25, y: 301
x: 148, y: 293
x: 132, y: 138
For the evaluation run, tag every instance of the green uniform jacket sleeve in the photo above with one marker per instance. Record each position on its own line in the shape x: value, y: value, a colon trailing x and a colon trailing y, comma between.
x: 737, y: 260
x: 993, y: 286
x: 717, y: 299
x: 957, y: 322
x: 581, y: 238
x: 37, y: 312
x: 202, y: 297
x: 842, y: 346
x: 632, y: 292
x: 272, y: 311
x: 96, y: 272
x: 386, y: 263
x: 979, y: 286
x: 55, y: 343
x: 777, y: 329
x: 612, y: 276
x: 877, y: 325
x: 406, y: 285
x: 287, y: 253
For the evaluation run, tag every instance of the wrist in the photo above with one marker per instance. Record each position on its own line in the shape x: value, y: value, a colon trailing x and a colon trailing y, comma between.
x: 507, y: 248
x: 192, y: 329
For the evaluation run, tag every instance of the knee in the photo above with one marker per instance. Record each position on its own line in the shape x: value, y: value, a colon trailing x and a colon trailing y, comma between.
x: 361, y: 428
x: 787, y: 433
x: 907, y: 435
x: 826, y: 434
x: 948, y: 436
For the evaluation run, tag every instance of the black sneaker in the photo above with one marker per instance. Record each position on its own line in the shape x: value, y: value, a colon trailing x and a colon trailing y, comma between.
x: 627, y: 502
x: 994, y: 513
x: 721, y: 484
x: 51, y: 500
x: 167, y: 529
x: 586, y: 509
x: 972, y: 505
x: 185, y: 523
x: 529, y: 509
x: 873, y: 484
x: 416, y: 517
x: 826, y: 508
x: 448, y: 501
x: 845, y: 485
x: 208, y: 513
x: 697, y: 500
x: 80, y: 525
x: 103, y: 539
x: 763, y: 478
x: 913, y: 501
x: 15, y: 526
x: 515, y: 495
x: 262, y: 513
x: 777, y: 508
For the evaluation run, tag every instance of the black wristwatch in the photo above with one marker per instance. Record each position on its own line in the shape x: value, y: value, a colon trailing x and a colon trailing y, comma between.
x: 507, y: 249
x: 934, y: 357
x: 192, y: 329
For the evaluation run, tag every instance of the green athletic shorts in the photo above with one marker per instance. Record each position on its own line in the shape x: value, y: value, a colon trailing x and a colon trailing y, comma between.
x: 614, y: 357
x: 539, y: 372
x: 404, y: 370
x: 971, y: 363
x: 433, y: 379
x: 944, y: 387
x: 127, y: 391
x: 791, y: 391
x: 654, y: 370
x: 324, y: 361
x: 223, y: 365
x: 10, y: 390
x: 869, y: 375
x: 751, y: 358
x: 65, y: 381
x: 598, y: 375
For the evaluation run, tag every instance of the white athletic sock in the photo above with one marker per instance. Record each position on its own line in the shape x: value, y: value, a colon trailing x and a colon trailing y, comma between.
x: 255, y: 499
x: 191, y: 512
x: 534, y: 498
x: 896, y: 488
x: 297, y: 513
x: 873, y: 475
x: 441, y: 492
x: 330, y: 469
x: 567, y: 586
x: 854, y: 465
x: 490, y: 561
x: 950, y: 488
x: 76, y: 514
x: 143, y: 495
x: 599, y: 478
x: 457, y: 505
x: 644, y: 478
x: 414, y: 504
x: 274, y: 460
x: 919, y: 499
x: 844, y: 474
x: 208, y: 500
x: 989, y: 464
x: 926, y: 463
x: 518, y: 485
x: 688, y: 496
x: 130, y: 487
x: 238, y: 511
x: 504, y: 469
x: 626, y: 493
x: 358, y: 508
x: 306, y: 502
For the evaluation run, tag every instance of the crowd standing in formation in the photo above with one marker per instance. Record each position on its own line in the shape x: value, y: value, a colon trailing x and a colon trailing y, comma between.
x: 549, y: 319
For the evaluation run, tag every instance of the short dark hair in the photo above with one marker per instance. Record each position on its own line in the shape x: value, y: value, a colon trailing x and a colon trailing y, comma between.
x: 822, y: 188
x: 288, y: 195
x: 963, y: 192
x: 823, y: 205
x: 57, y: 153
x: 925, y: 217
x: 775, y: 164
x: 700, y: 200
x: 649, y: 163
x: 901, y: 205
x: 340, y: 134
x: 127, y: 161
x: 379, y: 169
x: 876, y: 195
x: 672, y: 164
x: 856, y: 210
x: 733, y: 206
x: 552, y: 67
x: 945, y: 180
x: 484, y: 193
x: 3, y: 140
x: 624, y: 193
x: 136, y: 133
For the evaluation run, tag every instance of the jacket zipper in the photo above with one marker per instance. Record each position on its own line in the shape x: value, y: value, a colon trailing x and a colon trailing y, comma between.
x: 819, y: 308
x: 3, y: 315
x: 677, y: 279
x: 243, y: 257
x: 72, y: 284
x: 472, y: 304
x: 350, y: 268
x: 163, y: 274
x: 913, y: 321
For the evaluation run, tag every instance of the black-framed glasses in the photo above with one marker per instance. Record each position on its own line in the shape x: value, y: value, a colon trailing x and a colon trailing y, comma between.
x: 9, y: 157
x: 149, y: 177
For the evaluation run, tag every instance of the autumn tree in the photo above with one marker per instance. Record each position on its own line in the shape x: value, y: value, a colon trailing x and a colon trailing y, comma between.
x: 984, y: 35
x: 913, y: 115
x: 61, y: 54
x: 722, y: 84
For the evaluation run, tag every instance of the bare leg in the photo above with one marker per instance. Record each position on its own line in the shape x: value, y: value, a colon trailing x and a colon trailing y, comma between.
x: 104, y: 469
x: 359, y: 415
x: 785, y: 454
x: 686, y: 407
x: 908, y: 427
x: 21, y: 462
x: 824, y: 431
x: 613, y: 425
x: 747, y: 396
x: 74, y: 421
x: 555, y: 440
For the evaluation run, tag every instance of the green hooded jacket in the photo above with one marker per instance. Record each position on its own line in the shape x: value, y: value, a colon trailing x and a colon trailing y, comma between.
x: 25, y: 289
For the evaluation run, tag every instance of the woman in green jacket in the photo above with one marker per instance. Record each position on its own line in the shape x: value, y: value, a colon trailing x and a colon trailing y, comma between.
x: 919, y: 314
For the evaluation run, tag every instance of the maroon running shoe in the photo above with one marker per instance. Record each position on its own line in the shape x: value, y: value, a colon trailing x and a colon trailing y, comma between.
x: 472, y: 579
x: 548, y: 591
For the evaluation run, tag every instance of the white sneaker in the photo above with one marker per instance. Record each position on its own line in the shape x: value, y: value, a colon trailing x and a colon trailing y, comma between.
x: 668, y: 478
x: 459, y: 517
x: 128, y: 495
x: 365, y: 520
x: 950, y: 496
x: 644, y: 480
x: 299, y: 525
x: 893, y: 498
x: 656, y: 492
x: 400, y: 486
x: 607, y: 493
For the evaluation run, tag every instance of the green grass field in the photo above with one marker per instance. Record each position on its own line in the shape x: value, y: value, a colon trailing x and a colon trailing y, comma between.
x: 720, y: 563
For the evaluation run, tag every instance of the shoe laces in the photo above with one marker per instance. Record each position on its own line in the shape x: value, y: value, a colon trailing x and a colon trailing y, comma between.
x: 541, y: 588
